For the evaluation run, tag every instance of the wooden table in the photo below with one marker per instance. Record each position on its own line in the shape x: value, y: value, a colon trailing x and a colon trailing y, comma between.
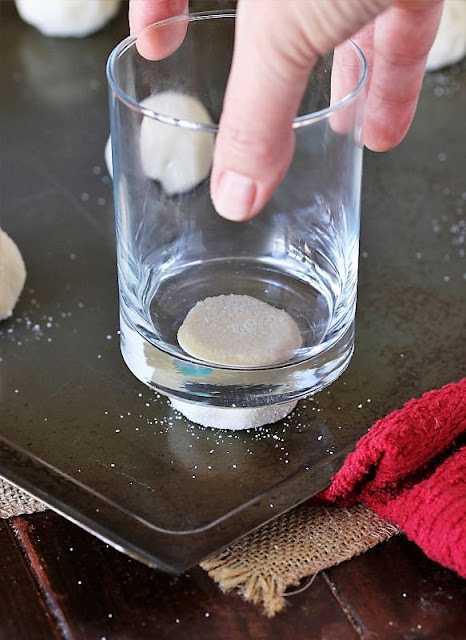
x: 57, y: 581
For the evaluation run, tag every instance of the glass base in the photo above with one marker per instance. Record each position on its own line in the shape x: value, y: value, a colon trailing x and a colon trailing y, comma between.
x: 215, y: 385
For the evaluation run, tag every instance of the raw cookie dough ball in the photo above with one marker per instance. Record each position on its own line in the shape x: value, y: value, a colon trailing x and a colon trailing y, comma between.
x: 242, y: 331
x: 179, y: 158
x: 109, y: 157
x: 450, y: 43
x: 12, y: 275
x: 239, y: 330
x: 67, y: 18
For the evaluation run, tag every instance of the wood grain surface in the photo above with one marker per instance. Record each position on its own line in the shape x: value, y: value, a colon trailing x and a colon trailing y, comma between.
x: 58, y: 581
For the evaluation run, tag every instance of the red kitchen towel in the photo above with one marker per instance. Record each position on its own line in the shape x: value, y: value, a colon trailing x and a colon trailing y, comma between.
x: 410, y: 468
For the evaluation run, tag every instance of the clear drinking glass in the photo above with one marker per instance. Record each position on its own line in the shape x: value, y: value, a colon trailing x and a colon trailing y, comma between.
x: 299, y: 254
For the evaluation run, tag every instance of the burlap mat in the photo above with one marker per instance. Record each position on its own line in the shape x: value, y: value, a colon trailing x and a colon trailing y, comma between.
x: 14, y: 502
x: 262, y: 566
x: 277, y: 556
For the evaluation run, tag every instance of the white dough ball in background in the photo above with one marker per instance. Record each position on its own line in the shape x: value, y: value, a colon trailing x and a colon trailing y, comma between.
x: 109, y: 157
x: 178, y: 157
x: 67, y: 18
x: 12, y: 275
x: 450, y: 43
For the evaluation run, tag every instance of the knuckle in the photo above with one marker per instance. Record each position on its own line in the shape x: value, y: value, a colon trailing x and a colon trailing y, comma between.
x: 244, y: 142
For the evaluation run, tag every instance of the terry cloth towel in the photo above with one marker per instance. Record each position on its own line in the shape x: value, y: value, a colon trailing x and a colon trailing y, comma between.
x: 410, y: 469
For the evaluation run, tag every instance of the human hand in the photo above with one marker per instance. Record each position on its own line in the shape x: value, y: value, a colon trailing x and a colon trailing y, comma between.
x: 276, y: 45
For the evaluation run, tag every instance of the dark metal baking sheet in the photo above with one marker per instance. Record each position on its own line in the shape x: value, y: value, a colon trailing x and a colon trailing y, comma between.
x: 78, y: 431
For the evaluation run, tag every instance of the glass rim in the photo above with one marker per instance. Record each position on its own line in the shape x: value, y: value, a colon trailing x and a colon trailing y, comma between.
x: 298, y: 121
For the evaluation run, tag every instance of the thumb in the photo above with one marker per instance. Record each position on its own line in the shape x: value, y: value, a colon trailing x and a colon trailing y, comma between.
x: 276, y: 46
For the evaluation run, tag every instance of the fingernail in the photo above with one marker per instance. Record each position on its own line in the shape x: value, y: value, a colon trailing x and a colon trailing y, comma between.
x: 234, y: 196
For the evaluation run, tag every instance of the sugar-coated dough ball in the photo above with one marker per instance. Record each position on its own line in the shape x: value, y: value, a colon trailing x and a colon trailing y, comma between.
x: 239, y: 330
x: 109, y: 157
x: 67, y: 18
x: 12, y: 275
x: 450, y: 43
x: 179, y: 158
x: 234, y: 418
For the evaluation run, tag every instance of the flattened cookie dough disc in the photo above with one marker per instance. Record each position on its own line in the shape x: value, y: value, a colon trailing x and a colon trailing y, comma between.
x: 12, y: 275
x: 237, y: 330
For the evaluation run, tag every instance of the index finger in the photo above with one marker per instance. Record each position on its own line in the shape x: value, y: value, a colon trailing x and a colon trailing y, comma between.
x: 158, y: 44
x: 403, y: 37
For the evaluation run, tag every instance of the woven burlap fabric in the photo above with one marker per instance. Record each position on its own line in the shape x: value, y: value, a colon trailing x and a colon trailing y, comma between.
x: 277, y: 556
x: 299, y: 544
x: 14, y: 502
